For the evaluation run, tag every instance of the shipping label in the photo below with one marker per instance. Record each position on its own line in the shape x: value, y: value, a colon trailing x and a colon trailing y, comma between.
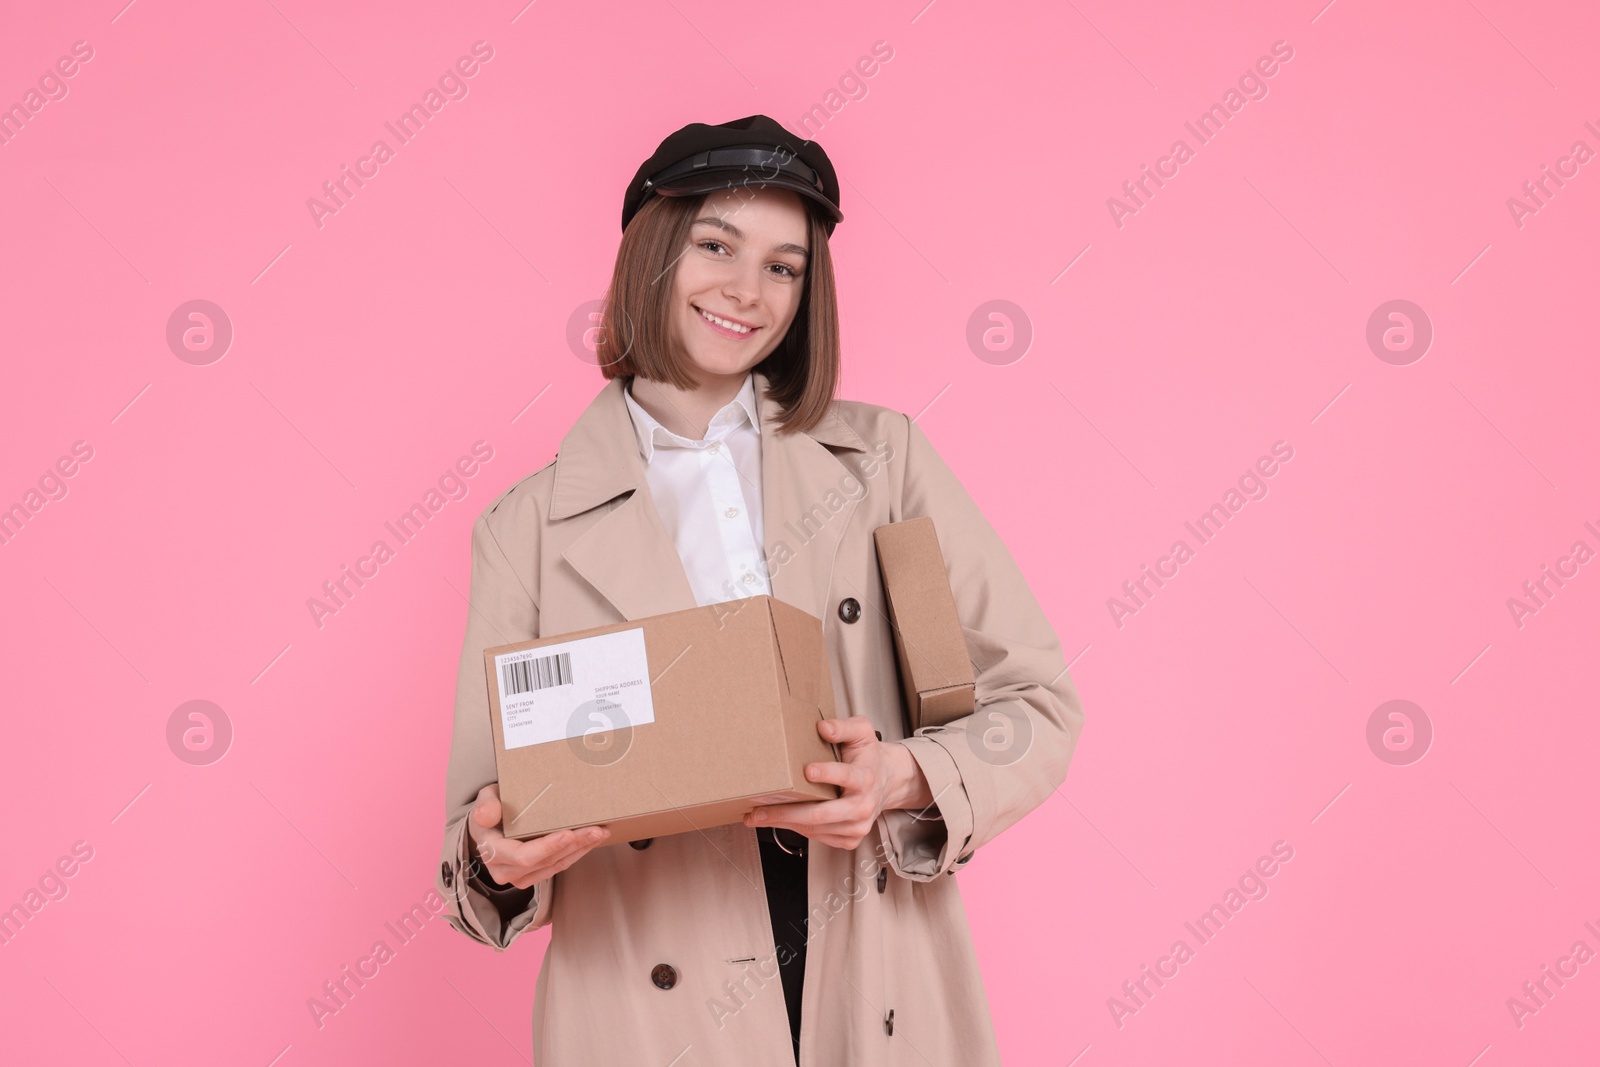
x: 572, y: 688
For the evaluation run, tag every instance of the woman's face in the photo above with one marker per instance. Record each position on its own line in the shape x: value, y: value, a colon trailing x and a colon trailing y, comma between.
x: 745, y: 263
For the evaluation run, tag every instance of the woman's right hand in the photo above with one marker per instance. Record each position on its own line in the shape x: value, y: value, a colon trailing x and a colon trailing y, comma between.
x: 525, y: 863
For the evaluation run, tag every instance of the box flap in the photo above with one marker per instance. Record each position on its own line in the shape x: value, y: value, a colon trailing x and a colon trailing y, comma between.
x: 800, y: 634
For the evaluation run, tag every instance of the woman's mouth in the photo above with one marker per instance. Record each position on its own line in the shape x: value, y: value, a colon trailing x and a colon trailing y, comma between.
x: 725, y: 326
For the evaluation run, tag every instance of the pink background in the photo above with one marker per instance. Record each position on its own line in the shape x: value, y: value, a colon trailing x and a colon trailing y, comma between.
x: 1229, y: 313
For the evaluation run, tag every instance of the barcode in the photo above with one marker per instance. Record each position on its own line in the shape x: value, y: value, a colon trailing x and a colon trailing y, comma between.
x: 524, y: 676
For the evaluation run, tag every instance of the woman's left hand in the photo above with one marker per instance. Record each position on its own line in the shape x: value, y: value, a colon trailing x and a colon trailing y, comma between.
x: 873, y: 775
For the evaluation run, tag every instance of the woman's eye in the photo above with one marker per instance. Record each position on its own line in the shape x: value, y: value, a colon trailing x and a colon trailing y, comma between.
x: 717, y: 247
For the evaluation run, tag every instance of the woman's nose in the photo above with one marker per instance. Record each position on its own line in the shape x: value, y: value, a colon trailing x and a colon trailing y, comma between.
x: 742, y: 284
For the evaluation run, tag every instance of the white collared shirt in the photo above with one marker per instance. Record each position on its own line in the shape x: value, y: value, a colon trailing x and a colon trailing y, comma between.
x: 708, y: 494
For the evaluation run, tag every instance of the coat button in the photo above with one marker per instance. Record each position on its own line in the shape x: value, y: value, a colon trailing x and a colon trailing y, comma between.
x: 849, y: 609
x: 888, y: 1023
x: 664, y: 975
x: 883, y: 878
x: 641, y: 844
x: 447, y: 875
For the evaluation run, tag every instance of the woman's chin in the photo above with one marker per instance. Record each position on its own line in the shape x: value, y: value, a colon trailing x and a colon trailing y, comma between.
x: 720, y: 366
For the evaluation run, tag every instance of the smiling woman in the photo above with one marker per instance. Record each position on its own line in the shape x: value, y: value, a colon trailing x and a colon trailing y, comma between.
x: 779, y: 304
x: 738, y: 285
x: 717, y: 465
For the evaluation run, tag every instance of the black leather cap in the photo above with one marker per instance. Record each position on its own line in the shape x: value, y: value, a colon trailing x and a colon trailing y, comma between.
x: 754, y: 151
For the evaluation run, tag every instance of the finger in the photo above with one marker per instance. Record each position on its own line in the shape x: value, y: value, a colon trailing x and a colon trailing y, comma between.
x: 767, y: 814
x: 508, y: 856
x: 570, y: 856
x: 485, y: 841
x: 578, y: 846
x: 839, y: 835
x: 836, y: 841
x: 851, y: 777
x: 817, y: 815
x: 543, y: 856
x: 523, y: 875
x: 545, y: 851
x: 484, y: 832
x: 486, y: 812
x: 852, y: 730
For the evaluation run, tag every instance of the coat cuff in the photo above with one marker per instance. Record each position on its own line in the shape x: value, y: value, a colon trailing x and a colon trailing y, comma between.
x: 482, y: 913
x: 918, y: 844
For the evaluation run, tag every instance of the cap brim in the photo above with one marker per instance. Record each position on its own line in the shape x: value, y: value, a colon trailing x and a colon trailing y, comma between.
x: 712, y: 181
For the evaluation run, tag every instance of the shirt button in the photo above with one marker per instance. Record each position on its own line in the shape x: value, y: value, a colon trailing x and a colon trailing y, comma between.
x: 664, y: 975
x: 732, y: 513
x: 447, y: 875
x: 715, y: 447
x: 883, y: 878
x: 641, y: 844
x: 849, y: 609
x: 748, y: 578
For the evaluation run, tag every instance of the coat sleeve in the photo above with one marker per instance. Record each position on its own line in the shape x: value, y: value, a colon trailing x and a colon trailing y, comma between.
x: 988, y: 769
x: 503, y: 608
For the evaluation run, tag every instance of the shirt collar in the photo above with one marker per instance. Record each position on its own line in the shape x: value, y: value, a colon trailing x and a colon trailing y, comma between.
x: 734, y: 414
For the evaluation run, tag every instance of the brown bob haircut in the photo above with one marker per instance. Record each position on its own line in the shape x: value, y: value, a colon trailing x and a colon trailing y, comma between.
x: 803, y: 371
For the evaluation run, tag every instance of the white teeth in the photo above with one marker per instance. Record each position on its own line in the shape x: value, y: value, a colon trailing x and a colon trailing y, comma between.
x: 724, y: 323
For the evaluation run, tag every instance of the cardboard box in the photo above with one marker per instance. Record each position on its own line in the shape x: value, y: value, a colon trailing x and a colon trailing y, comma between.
x: 661, y: 725
x: 935, y: 672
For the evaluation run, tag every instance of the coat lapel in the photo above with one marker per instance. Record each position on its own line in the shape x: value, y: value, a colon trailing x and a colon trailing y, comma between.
x: 628, y: 555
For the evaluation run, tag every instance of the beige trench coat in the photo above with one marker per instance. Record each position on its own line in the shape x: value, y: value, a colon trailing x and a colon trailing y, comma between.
x: 890, y: 971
